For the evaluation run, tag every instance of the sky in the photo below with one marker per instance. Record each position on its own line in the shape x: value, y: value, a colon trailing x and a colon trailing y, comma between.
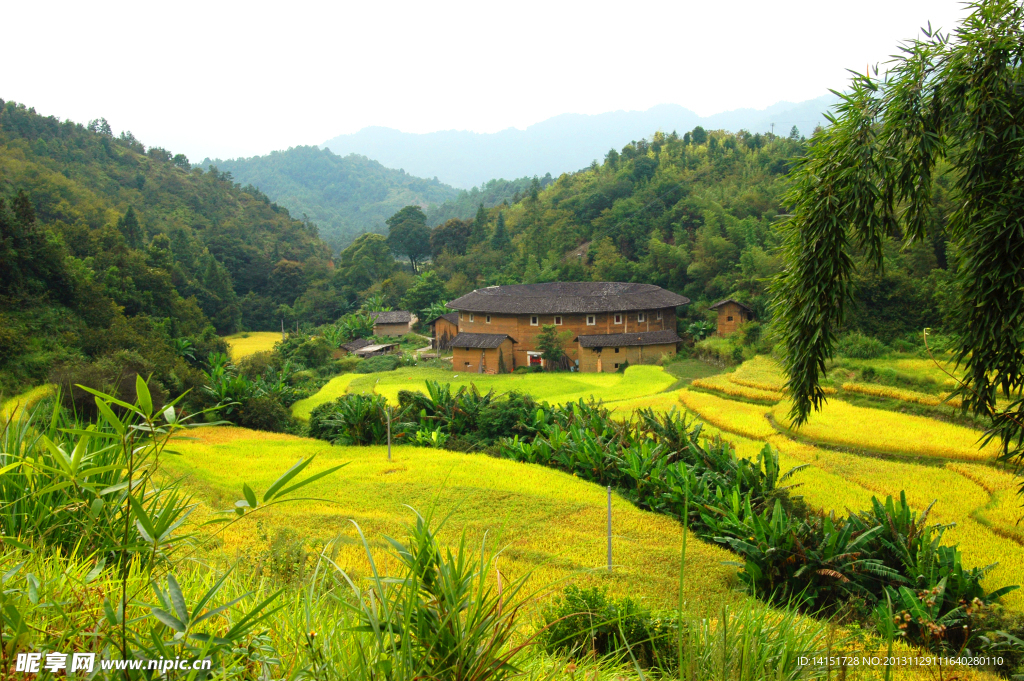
x: 228, y: 79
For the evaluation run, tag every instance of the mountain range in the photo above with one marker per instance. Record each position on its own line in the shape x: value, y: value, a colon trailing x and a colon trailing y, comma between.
x: 560, y: 144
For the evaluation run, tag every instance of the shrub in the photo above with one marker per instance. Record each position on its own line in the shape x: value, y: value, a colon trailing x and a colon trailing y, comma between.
x: 257, y: 364
x: 585, y: 621
x: 858, y: 346
x: 263, y: 412
x: 313, y: 353
x: 719, y: 350
x: 622, y: 367
x: 358, y: 420
x: 113, y: 374
x: 506, y: 418
x: 346, y: 364
x: 373, y: 365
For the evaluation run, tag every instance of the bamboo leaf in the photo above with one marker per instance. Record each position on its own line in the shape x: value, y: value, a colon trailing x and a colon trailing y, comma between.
x: 142, y: 393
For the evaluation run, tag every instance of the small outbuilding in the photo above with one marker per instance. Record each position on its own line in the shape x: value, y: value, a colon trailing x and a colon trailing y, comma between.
x: 442, y: 330
x: 605, y: 352
x: 731, y: 313
x: 350, y: 347
x: 392, y: 323
x: 482, y: 353
x: 376, y: 349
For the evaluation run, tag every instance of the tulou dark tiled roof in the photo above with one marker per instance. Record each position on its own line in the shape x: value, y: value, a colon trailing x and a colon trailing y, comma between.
x: 352, y: 346
x: 391, y: 317
x: 568, y: 298
x: 720, y: 303
x: 452, y: 317
x: 479, y: 340
x: 616, y: 340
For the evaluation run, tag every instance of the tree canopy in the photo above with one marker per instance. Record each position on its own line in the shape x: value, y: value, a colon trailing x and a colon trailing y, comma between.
x: 949, y: 108
x: 408, y: 235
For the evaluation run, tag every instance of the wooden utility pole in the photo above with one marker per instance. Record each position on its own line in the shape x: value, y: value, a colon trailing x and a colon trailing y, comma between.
x: 609, y: 528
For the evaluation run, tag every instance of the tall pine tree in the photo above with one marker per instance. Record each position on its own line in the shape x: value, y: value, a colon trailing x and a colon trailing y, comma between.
x: 499, y: 240
x: 478, y: 234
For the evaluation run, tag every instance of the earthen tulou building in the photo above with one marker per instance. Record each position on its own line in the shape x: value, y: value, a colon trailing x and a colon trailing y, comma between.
x: 611, y: 323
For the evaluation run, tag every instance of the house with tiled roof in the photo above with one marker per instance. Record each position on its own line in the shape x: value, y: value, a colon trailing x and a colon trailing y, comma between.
x: 611, y: 323
x: 392, y: 323
x: 731, y: 313
x: 442, y: 330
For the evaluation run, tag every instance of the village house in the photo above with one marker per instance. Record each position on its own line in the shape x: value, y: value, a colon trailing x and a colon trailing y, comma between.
x: 731, y: 313
x: 610, y: 323
x: 350, y: 347
x: 392, y: 323
x: 442, y: 330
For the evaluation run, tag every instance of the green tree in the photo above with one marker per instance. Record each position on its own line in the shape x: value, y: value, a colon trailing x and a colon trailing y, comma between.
x: 428, y: 290
x: 453, y: 237
x: 532, y: 273
x: 130, y: 228
x: 479, y: 232
x: 699, y: 135
x: 409, y: 235
x: 287, y: 281
x: 366, y: 261
x: 499, y: 240
x: 944, y: 100
x: 551, y: 343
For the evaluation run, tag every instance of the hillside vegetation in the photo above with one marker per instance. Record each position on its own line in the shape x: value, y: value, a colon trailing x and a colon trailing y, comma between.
x: 108, y: 247
x: 343, y: 195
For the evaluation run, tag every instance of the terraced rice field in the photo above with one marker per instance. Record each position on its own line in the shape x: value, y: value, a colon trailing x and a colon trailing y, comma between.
x: 875, y: 430
x: 334, y: 389
x: 968, y: 491
x: 550, y: 523
x: 12, y: 407
x: 242, y: 345
x: 554, y: 388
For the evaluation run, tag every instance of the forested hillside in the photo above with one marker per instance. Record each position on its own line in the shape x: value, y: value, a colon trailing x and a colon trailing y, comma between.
x: 489, y: 194
x: 108, y: 247
x: 695, y: 213
x: 348, y: 195
x: 343, y: 195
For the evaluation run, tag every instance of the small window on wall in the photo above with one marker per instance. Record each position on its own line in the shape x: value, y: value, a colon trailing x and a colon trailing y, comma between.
x: 591, y: 320
x: 534, y: 321
x: 487, y: 319
x: 659, y: 315
x: 467, y: 364
x: 729, y: 318
x: 461, y: 317
x: 616, y: 350
x: 641, y: 317
x: 618, y: 319
x: 558, y: 320
x: 470, y: 316
x: 616, y: 365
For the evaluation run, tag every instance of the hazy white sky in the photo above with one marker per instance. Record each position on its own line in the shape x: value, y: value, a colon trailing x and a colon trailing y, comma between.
x: 226, y: 79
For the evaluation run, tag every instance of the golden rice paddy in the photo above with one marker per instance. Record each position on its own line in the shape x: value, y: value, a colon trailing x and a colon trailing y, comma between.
x: 842, y: 424
x: 334, y: 389
x: 242, y: 345
x: 13, y: 407
x: 550, y: 524
x: 977, y: 497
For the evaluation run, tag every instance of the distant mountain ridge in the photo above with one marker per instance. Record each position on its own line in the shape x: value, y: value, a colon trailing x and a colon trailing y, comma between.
x: 564, y: 143
x: 343, y: 195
